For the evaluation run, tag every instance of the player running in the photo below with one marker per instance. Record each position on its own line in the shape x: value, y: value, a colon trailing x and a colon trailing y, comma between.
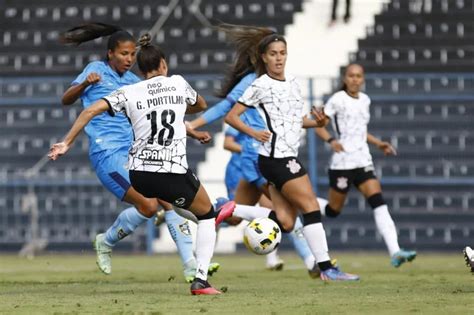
x: 351, y: 162
x: 277, y: 98
x: 252, y: 185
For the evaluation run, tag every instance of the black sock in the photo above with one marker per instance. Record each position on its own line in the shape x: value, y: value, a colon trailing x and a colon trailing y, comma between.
x: 325, y: 265
x: 330, y: 212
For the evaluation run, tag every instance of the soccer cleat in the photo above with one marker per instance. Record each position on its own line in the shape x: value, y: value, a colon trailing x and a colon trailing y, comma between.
x: 160, y: 217
x: 202, y: 287
x: 335, y: 274
x: 315, y: 272
x: 225, y: 211
x: 469, y: 257
x: 402, y: 256
x: 213, y: 268
x: 278, y: 266
x: 190, y: 270
x: 104, y: 254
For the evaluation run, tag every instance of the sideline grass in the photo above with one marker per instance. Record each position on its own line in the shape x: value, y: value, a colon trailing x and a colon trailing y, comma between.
x: 59, y: 284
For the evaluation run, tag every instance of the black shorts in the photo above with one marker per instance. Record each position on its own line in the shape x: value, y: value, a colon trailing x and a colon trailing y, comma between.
x: 178, y: 189
x: 341, y: 180
x: 278, y: 171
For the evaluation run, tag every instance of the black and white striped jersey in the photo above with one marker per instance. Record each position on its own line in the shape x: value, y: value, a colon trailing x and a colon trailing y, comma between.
x: 156, y: 109
x: 281, y: 106
x: 350, y: 117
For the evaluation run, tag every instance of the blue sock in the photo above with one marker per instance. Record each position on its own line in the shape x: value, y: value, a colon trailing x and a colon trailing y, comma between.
x: 125, y: 224
x: 300, y: 244
x: 181, y: 234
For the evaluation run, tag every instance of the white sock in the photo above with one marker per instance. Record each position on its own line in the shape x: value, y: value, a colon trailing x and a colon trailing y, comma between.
x: 205, y: 242
x: 316, y: 238
x: 386, y: 228
x: 272, y: 258
x: 309, y: 262
x: 322, y: 205
x: 251, y: 212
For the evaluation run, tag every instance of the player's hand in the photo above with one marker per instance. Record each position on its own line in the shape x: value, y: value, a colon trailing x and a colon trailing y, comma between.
x: 203, y: 136
x: 57, y: 150
x: 336, y: 146
x: 319, y: 115
x: 92, y: 78
x: 262, y: 135
x: 387, y: 148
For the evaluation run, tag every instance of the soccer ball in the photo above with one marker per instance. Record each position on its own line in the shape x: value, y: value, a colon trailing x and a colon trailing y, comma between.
x: 262, y: 236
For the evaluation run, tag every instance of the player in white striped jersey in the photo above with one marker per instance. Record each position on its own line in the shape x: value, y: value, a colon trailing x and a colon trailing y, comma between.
x: 351, y: 162
x: 277, y: 98
x: 157, y: 160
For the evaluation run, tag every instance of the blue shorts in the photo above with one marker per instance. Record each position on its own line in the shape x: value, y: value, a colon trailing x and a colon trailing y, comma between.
x: 250, y: 171
x: 233, y: 174
x: 112, y: 171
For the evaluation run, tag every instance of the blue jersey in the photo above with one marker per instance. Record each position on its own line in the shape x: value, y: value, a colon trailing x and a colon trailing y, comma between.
x: 250, y: 117
x: 104, y: 131
x: 234, y: 161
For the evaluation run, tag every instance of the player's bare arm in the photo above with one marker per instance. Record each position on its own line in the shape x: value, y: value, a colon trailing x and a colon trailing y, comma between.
x: 233, y: 119
x: 383, y: 146
x: 86, y: 115
x: 74, y: 92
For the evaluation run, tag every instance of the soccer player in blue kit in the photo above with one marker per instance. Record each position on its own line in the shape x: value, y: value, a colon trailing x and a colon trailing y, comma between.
x: 110, y: 139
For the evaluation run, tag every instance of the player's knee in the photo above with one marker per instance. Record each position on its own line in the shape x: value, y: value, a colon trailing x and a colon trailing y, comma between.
x: 147, y: 208
x: 376, y: 200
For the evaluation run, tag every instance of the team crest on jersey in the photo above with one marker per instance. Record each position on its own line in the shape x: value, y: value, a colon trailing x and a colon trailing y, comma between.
x: 293, y: 166
x: 342, y: 182
x: 180, y: 201
x: 184, y: 228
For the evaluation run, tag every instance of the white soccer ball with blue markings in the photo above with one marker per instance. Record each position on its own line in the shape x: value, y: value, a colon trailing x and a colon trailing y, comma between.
x: 262, y: 236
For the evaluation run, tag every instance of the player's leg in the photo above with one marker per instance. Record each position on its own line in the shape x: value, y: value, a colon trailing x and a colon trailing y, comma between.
x: 370, y: 187
x: 185, y: 190
x: 339, y: 185
x: 299, y: 193
x: 273, y: 260
x: 205, y: 240
x: 111, y: 171
x: 181, y: 234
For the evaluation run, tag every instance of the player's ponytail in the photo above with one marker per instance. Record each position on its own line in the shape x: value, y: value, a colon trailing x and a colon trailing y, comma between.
x: 246, y: 40
x: 149, y: 56
x: 87, y: 32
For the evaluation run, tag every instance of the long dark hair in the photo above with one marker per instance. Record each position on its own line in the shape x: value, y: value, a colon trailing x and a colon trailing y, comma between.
x: 246, y: 40
x: 86, y: 32
x: 149, y: 56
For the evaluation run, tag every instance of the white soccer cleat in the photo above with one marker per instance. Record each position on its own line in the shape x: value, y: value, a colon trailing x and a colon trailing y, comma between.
x: 469, y: 257
x: 104, y: 254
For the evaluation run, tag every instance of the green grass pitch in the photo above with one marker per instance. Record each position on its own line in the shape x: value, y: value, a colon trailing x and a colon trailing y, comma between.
x: 68, y: 284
